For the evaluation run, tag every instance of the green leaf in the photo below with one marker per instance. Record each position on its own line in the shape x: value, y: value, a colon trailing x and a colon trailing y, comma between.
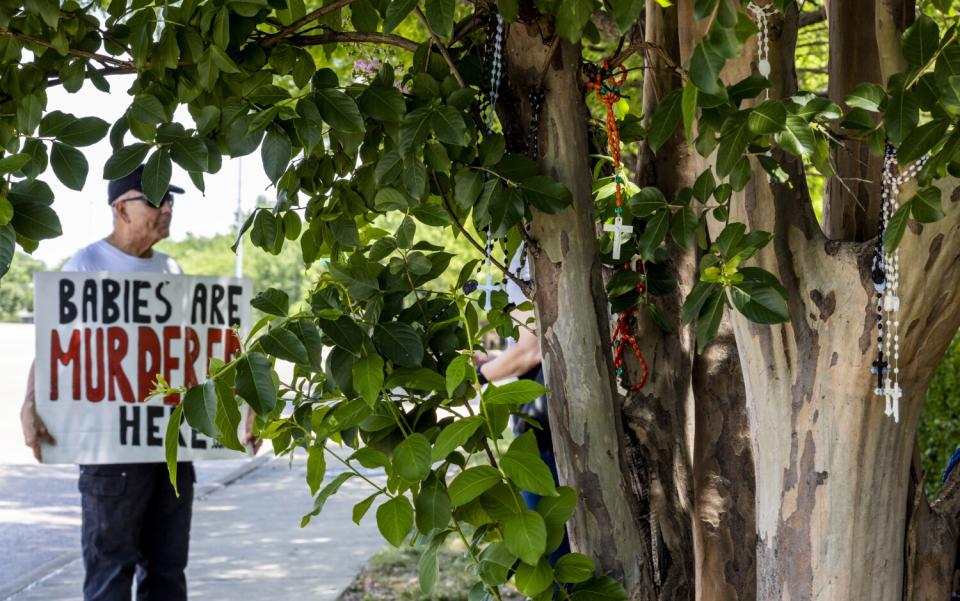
x: 705, y: 66
x: 325, y: 494
x: 867, y: 96
x: 83, y: 132
x: 572, y: 16
x: 395, y: 520
x: 316, y: 467
x: 339, y: 111
x: 471, y: 483
x: 412, y: 458
x: 35, y: 220
x: 383, y: 103
x: 920, y: 41
x: 683, y: 226
x: 200, y: 408
x: 275, y: 153
x: 925, y: 205
x: 125, y: 160
x: 688, y: 108
x: 526, y: 469
x: 704, y: 186
x: 284, y: 344
x: 709, y: 321
x: 546, y: 194
x: 646, y: 202
x: 148, y: 110
x: 8, y: 246
x: 344, y: 332
x: 440, y: 17
x: 768, y: 118
x: 272, y: 302
x: 448, y: 126
x: 368, y: 378
x: 516, y: 392
x: 69, y: 165
x: 533, y: 580
x: 457, y: 372
x: 415, y: 128
x: 525, y: 535
x: 400, y: 343
x: 6, y: 211
x: 760, y: 303
x: 468, y: 186
x: 14, y: 162
x: 156, y: 176
x: 654, y: 235
x: 361, y: 508
x: 574, y: 568
x: 797, y: 138
x: 397, y: 11
x: 190, y: 154
x: 921, y: 140
x: 603, y: 588
x: 255, y: 382
x: 665, y: 120
x: 433, y: 507
x: 901, y: 117
x: 171, y: 446
x: 734, y: 138
x: 455, y: 435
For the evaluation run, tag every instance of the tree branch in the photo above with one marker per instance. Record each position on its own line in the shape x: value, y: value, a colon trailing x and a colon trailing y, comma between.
x: 356, y: 37
x: 107, y: 60
x: 812, y: 17
x: 443, y: 49
x: 525, y: 287
x: 315, y: 15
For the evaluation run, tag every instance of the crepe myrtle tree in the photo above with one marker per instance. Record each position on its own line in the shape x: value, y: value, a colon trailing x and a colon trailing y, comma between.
x: 755, y: 463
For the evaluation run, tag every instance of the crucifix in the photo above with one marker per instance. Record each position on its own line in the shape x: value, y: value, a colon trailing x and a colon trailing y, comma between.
x: 488, y: 288
x: 891, y: 302
x: 618, y: 230
x: 893, y: 394
x: 879, y: 368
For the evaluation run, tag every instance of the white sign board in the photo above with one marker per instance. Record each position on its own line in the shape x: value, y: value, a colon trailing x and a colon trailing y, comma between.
x: 101, y: 340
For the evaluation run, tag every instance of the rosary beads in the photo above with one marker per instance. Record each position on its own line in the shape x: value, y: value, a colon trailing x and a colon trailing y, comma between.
x: 885, y: 272
x: 622, y: 337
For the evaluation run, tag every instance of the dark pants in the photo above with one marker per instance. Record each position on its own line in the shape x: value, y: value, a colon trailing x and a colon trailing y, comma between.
x: 134, y: 523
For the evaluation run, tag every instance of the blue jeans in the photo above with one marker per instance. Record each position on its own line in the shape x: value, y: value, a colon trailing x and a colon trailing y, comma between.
x: 533, y: 499
x: 133, y: 523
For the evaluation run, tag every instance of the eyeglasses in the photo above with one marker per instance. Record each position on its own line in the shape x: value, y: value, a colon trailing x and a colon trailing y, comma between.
x: 166, y: 200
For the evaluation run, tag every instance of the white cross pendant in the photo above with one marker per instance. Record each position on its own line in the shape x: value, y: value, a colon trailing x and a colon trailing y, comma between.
x: 488, y: 288
x: 618, y: 230
x: 893, y: 394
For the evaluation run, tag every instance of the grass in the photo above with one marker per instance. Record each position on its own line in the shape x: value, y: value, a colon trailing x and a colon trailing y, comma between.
x: 392, y: 575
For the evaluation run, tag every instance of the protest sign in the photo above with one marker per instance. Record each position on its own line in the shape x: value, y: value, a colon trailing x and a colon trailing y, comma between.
x: 102, y: 338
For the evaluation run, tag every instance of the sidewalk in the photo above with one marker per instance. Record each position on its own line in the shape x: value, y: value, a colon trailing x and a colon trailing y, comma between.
x: 247, y: 542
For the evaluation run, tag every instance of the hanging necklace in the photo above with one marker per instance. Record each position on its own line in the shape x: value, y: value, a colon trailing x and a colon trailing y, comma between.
x: 885, y: 272
x: 622, y: 337
x: 607, y: 81
x: 762, y: 15
x: 495, y: 57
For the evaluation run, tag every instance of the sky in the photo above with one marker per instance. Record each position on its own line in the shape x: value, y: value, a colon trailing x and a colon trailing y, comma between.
x: 85, y: 216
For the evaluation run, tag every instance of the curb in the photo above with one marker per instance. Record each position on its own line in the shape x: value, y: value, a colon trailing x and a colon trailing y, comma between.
x: 56, y: 565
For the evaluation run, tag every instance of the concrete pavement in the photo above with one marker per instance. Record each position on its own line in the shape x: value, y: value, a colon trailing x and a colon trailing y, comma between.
x: 247, y: 542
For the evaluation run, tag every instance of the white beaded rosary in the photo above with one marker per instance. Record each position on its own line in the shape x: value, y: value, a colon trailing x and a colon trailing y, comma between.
x: 762, y: 15
x: 886, y: 281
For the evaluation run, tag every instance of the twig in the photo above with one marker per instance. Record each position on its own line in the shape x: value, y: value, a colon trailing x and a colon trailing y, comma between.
x: 356, y: 37
x: 636, y: 47
x: 526, y: 288
x: 443, y: 49
x: 107, y: 60
x: 321, y: 12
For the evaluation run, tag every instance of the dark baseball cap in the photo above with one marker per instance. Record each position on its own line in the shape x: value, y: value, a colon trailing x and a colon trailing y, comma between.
x: 132, y: 181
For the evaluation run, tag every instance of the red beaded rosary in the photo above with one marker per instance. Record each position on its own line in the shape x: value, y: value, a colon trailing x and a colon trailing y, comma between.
x: 607, y: 81
x: 622, y: 337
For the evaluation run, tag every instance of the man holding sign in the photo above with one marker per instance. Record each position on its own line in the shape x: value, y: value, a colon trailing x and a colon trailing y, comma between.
x: 122, y: 316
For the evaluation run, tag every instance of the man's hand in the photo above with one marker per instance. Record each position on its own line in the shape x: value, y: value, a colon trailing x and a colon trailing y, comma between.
x: 248, y: 439
x: 35, y: 432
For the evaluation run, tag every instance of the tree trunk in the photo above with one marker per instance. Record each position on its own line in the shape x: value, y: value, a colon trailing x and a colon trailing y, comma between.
x: 571, y: 308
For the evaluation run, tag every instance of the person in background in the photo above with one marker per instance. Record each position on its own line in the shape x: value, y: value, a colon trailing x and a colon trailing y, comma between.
x: 133, y: 523
x: 522, y: 360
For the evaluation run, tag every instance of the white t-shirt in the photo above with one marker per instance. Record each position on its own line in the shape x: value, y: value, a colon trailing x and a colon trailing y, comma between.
x: 103, y: 256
